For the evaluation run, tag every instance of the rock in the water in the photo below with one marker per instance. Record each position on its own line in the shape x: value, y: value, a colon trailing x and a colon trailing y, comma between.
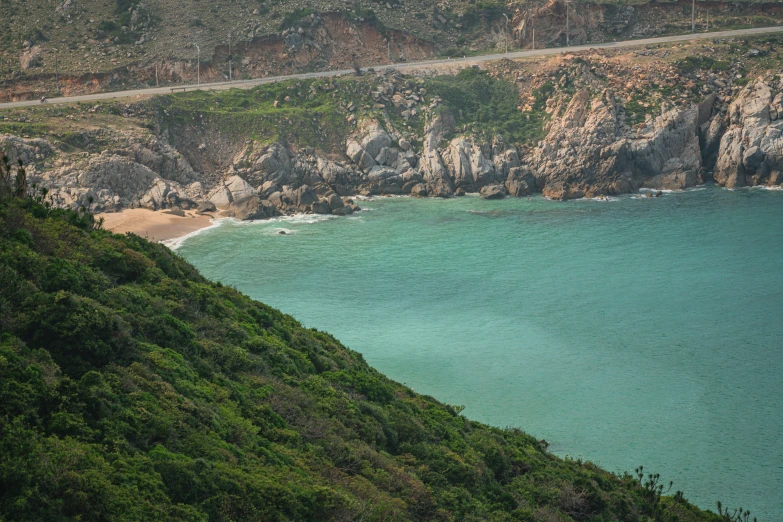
x: 493, y: 192
x: 419, y: 190
x: 520, y: 182
x: 335, y: 202
x: 321, y: 207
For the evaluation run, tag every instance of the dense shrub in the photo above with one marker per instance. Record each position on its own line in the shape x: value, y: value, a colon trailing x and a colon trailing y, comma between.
x: 133, y: 389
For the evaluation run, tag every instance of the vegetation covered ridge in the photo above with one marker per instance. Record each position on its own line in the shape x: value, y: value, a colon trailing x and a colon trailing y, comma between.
x: 131, y: 388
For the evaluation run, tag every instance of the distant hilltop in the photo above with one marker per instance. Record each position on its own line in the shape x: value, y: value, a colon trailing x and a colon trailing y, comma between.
x: 80, y: 46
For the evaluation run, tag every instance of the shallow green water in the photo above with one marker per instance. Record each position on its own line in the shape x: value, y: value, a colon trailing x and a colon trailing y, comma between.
x: 636, y: 331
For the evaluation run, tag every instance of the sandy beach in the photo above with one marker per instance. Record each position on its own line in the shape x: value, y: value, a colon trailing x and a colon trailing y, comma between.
x: 156, y: 225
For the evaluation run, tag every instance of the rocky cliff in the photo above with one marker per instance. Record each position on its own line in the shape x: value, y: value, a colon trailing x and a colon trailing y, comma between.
x: 588, y: 149
x: 751, y: 150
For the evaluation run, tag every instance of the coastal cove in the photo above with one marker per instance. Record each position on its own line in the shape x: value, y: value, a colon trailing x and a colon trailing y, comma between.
x: 629, y: 331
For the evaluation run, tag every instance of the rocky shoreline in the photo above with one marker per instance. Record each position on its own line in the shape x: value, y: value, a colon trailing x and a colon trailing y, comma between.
x: 588, y: 151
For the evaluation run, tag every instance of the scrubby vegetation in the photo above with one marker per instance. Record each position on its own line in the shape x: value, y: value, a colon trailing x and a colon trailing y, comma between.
x: 306, y: 112
x: 131, y: 388
x: 488, y: 106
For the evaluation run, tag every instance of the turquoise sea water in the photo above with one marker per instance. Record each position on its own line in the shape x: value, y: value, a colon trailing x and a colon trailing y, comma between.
x: 634, y: 331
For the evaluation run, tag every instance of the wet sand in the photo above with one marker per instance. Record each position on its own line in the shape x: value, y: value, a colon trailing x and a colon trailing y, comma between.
x: 155, y: 225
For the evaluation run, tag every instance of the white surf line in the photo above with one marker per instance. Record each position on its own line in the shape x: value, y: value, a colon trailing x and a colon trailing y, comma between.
x: 470, y: 60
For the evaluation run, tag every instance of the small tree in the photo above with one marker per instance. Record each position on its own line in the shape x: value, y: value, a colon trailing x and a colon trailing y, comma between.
x: 736, y: 515
x: 652, y: 492
x: 21, y: 181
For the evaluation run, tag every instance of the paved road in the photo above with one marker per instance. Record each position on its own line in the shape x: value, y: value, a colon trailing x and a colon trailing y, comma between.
x: 246, y: 84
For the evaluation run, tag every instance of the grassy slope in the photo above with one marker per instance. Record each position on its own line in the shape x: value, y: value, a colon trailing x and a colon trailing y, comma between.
x: 132, y: 388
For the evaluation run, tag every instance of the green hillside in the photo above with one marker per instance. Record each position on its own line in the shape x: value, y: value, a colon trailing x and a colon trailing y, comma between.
x: 131, y: 388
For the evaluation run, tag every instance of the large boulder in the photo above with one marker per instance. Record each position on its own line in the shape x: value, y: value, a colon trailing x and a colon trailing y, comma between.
x: 331, y: 172
x: 165, y: 160
x: 521, y: 182
x: 375, y: 138
x: 273, y: 165
x: 220, y: 197
x: 239, y: 188
x: 122, y: 176
x: 493, y: 192
x: 164, y: 194
x: 251, y: 208
x: 359, y: 156
x: 206, y: 207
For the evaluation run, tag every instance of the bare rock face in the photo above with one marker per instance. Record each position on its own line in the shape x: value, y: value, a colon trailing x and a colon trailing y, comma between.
x: 577, y: 147
x: 751, y: 150
x: 332, y: 173
x: 431, y: 164
x: 670, y: 158
x: 234, y: 188
x: 274, y: 165
x: 468, y: 167
x: 504, y: 158
x: 166, y: 161
x: 31, y: 57
x: 586, y: 154
x: 123, y: 177
x: 29, y: 150
x: 109, y: 182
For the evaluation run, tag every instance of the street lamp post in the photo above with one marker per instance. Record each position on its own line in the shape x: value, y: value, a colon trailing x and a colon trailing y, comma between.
x: 230, y: 58
x: 56, y: 71
x: 693, y: 17
x: 198, y: 63
x: 507, y: 22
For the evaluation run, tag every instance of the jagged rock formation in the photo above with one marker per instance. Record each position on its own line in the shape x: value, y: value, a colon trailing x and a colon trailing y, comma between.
x: 751, y: 150
x: 586, y: 152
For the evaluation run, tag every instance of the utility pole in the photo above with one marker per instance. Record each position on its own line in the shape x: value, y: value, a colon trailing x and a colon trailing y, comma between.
x: 507, y: 22
x: 230, y: 58
x: 693, y: 17
x: 533, y: 29
x: 198, y: 63
x: 156, y: 75
x: 568, y: 24
x: 56, y: 71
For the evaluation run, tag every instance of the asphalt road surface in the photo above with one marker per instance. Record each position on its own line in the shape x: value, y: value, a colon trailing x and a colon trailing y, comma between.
x: 246, y: 84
